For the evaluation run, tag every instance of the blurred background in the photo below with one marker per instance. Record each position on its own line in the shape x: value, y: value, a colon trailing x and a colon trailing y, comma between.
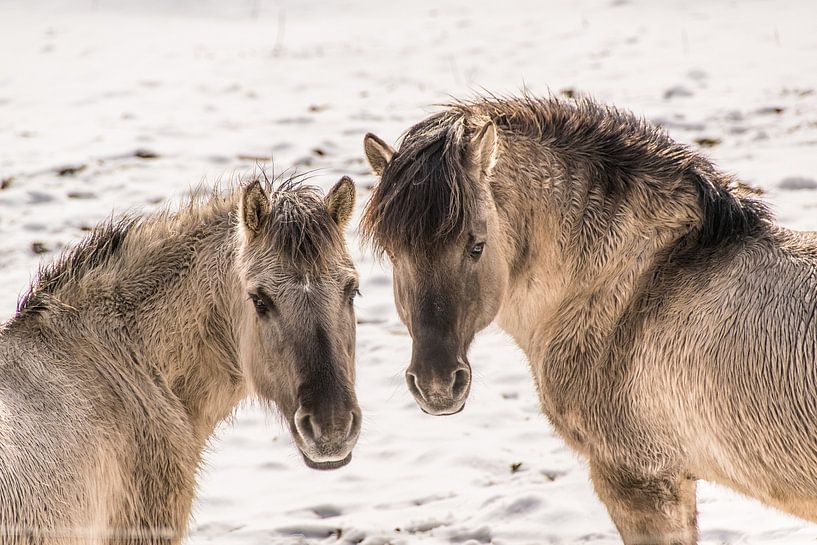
x: 108, y: 106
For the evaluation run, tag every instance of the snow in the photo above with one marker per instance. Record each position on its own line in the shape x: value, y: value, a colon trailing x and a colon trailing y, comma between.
x: 214, y: 89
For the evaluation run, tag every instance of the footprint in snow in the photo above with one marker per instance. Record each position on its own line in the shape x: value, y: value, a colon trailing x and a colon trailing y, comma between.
x: 797, y: 183
x: 326, y: 511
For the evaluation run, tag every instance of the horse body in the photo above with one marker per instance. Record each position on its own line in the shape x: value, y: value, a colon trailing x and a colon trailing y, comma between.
x: 669, y: 325
x: 128, y: 352
x: 698, y: 386
x: 735, y: 350
x: 89, y: 452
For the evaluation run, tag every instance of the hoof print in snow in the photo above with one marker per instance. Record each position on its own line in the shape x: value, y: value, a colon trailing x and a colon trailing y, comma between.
x: 326, y: 511
x: 480, y: 535
x: 309, y: 531
x: 797, y: 183
x: 678, y: 91
x: 522, y: 506
x: 5, y: 183
x: 424, y: 526
x: 697, y: 75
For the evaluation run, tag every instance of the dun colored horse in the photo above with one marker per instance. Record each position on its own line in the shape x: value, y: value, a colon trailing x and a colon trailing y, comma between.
x: 669, y: 324
x: 129, y: 350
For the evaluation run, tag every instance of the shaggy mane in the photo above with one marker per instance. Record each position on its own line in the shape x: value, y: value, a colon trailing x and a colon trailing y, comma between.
x: 425, y: 196
x: 298, y: 227
x: 96, y: 249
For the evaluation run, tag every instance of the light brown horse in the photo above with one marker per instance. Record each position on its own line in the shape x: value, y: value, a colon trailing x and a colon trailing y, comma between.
x: 128, y: 351
x: 670, y: 326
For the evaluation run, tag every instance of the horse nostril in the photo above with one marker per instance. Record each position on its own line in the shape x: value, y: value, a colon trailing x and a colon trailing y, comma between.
x: 462, y: 379
x: 411, y: 380
x: 353, y: 429
x: 307, y: 426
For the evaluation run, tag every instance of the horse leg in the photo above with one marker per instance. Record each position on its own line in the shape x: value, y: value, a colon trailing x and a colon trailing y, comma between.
x: 648, y: 510
x: 158, y: 512
x: 148, y: 528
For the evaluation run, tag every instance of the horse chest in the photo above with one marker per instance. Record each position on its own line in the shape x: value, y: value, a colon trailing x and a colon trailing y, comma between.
x: 566, y: 408
x: 564, y: 363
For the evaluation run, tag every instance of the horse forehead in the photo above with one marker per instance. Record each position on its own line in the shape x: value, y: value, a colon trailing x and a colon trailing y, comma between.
x: 439, y: 266
x: 479, y: 226
x: 310, y: 282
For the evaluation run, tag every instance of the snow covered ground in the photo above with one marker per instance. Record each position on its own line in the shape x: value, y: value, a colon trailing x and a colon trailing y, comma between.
x: 109, y: 105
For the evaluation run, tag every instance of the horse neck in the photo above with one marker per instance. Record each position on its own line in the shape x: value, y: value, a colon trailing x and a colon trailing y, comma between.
x: 195, y: 340
x: 176, y: 302
x: 586, y: 255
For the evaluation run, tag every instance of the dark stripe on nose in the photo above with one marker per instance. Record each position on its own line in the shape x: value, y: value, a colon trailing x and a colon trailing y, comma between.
x: 323, y: 385
x: 436, y: 312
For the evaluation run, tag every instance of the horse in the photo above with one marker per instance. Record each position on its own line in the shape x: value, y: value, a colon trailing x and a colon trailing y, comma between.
x: 129, y: 349
x: 668, y: 322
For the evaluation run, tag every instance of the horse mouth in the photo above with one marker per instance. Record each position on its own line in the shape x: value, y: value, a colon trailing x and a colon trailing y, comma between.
x: 323, y: 466
x: 452, y: 413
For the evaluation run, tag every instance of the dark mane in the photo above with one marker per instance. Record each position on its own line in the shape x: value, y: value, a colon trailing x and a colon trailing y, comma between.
x: 300, y: 228
x: 93, y: 251
x: 425, y: 197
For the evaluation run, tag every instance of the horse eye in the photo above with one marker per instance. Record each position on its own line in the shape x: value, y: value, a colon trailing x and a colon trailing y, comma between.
x: 476, y: 250
x: 352, y: 291
x: 260, y: 306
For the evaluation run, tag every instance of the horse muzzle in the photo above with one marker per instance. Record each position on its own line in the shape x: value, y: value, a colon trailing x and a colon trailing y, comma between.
x: 440, y: 394
x: 326, y: 443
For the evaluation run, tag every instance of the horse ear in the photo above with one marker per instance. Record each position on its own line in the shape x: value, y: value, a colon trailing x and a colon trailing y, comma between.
x: 340, y: 201
x: 254, y: 207
x: 378, y: 153
x: 483, y: 149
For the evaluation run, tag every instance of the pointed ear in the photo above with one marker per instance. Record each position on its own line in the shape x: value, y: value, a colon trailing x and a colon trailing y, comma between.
x: 378, y: 153
x: 254, y: 207
x: 340, y: 201
x: 483, y: 150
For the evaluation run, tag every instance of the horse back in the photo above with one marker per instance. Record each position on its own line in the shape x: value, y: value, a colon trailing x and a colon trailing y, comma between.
x: 728, y: 359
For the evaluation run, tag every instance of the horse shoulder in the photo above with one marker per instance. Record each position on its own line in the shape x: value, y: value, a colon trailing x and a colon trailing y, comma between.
x: 127, y: 452
x: 717, y: 359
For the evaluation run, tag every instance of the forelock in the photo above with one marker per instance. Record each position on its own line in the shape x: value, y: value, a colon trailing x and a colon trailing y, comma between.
x: 425, y: 197
x: 299, y: 229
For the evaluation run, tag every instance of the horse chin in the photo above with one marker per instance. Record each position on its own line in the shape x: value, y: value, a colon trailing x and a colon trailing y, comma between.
x: 443, y: 413
x: 323, y: 466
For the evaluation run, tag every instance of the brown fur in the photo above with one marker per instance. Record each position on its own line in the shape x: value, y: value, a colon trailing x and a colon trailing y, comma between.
x: 128, y: 351
x: 669, y: 324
